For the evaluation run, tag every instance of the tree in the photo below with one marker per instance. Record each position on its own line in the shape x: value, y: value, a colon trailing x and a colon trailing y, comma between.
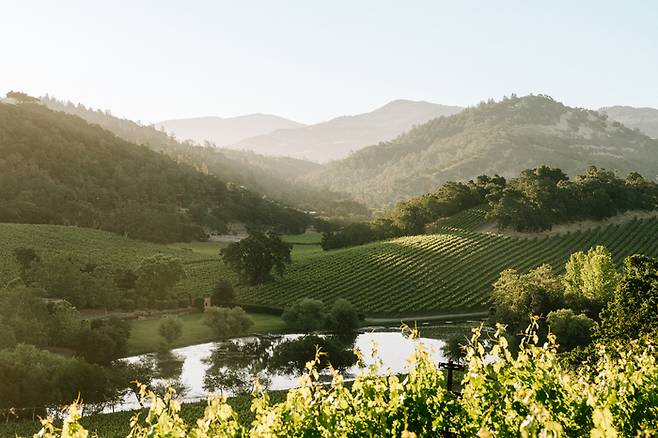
x: 633, y: 311
x: 104, y: 340
x: 517, y: 296
x: 254, y: 257
x: 170, y: 329
x: 590, y: 280
x: 342, y: 318
x: 223, y: 293
x: 157, y: 275
x: 571, y: 330
x: 26, y: 258
x: 305, y: 315
x: 225, y: 322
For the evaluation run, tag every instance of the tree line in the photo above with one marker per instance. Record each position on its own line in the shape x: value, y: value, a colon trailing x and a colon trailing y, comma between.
x: 534, y: 201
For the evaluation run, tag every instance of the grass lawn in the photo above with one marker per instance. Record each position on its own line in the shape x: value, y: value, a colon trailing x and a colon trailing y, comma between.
x: 209, y: 249
x: 144, y: 337
x: 303, y: 239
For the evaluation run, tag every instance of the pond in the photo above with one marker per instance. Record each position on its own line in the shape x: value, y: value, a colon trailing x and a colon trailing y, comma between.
x: 277, y: 361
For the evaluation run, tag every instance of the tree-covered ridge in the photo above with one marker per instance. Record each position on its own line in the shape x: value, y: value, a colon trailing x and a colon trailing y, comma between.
x: 275, y: 177
x: 502, y: 138
x: 534, y: 201
x: 56, y: 168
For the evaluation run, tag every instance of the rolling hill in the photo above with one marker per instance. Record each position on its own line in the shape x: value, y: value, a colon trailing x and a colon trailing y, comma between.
x: 336, y: 138
x: 225, y: 131
x: 275, y: 177
x: 495, y: 137
x: 644, y: 119
x: 446, y: 272
x: 56, y: 168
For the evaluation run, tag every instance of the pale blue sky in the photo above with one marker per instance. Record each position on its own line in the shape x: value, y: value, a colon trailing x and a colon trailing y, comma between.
x: 311, y: 60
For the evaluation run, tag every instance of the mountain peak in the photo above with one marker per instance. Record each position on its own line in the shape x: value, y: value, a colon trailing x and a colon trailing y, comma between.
x: 225, y: 131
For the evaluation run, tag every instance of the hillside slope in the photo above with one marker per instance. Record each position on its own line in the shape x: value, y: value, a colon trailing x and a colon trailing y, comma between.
x: 275, y: 177
x: 110, y: 250
x: 56, y: 168
x: 225, y: 131
x: 449, y: 271
x: 493, y: 138
x: 644, y: 119
x: 336, y: 138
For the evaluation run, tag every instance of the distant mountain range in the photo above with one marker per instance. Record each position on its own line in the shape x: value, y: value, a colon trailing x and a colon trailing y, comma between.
x: 644, y: 119
x: 496, y: 137
x: 336, y: 138
x: 330, y: 140
x: 225, y: 131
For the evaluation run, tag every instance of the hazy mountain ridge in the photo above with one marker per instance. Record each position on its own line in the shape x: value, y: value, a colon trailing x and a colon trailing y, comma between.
x: 224, y: 131
x: 336, y: 138
x: 644, y: 119
x: 495, y: 137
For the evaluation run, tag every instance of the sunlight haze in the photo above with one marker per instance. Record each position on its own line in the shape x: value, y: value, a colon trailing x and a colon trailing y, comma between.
x: 311, y: 61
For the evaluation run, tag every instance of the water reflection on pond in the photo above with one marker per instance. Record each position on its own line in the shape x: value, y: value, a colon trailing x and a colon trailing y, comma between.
x: 230, y: 367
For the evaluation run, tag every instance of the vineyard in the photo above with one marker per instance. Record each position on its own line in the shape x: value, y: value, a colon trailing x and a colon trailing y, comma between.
x: 470, y: 219
x: 444, y: 272
x: 203, y: 270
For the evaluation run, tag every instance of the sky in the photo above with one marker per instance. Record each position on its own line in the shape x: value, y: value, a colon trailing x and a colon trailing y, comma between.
x: 313, y: 60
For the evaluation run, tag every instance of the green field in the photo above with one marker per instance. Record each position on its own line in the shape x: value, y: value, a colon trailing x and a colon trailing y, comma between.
x: 144, y: 336
x: 447, y: 272
x: 441, y: 273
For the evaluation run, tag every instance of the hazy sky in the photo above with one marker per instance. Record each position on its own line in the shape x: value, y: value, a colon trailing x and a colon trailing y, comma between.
x: 312, y: 60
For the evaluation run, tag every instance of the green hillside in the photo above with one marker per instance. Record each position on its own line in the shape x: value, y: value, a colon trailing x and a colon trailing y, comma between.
x: 276, y: 177
x: 445, y: 272
x: 492, y: 138
x: 201, y: 260
x: 56, y: 168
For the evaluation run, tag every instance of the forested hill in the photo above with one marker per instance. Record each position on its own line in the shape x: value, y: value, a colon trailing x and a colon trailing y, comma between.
x: 493, y: 138
x: 271, y: 176
x: 56, y: 168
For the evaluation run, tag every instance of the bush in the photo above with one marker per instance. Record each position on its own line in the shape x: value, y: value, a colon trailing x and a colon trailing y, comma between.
x: 571, y: 330
x: 223, y: 293
x: 170, y: 329
x: 305, y: 315
x: 128, y: 304
x: 226, y: 322
x: 342, y: 318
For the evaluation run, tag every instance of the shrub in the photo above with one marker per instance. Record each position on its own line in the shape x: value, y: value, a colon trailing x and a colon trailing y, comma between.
x: 226, y: 322
x: 170, y: 329
x: 305, y: 315
x: 223, y: 293
x: 571, y: 330
x: 342, y: 318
